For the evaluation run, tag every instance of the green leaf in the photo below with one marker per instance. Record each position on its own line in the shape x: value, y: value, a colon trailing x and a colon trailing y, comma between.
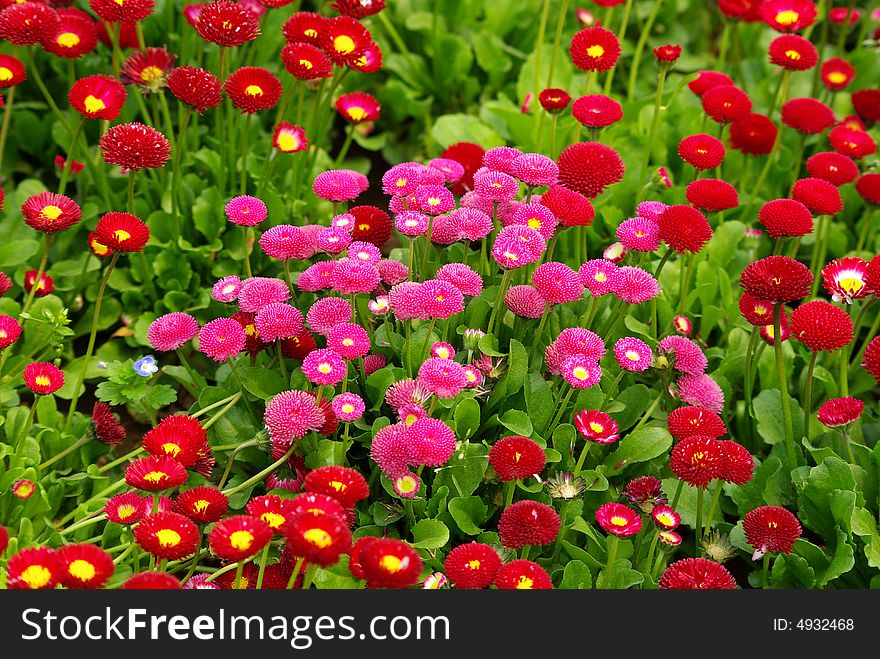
x: 464, y: 471
x: 642, y: 445
x: 430, y: 534
x: 842, y: 561
x: 467, y: 418
x: 815, y: 486
x: 17, y: 252
x: 767, y: 408
x: 468, y: 513
x: 207, y: 213
x: 635, y: 400
x: 328, y: 453
x: 517, y: 367
x: 762, y: 490
x: 576, y: 576
x: 262, y: 382
x: 517, y: 422
x: 539, y: 400
x: 452, y: 128
x: 378, y: 383
x: 159, y: 396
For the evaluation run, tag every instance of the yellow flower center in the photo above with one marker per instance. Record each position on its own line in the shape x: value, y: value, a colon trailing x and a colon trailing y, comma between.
x: 534, y: 223
x: 273, y: 519
x: 338, y: 485
x: 311, y: 33
x: 787, y: 17
x: 151, y: 73
x: 94, y: 104
x: 632, y: 355
x: 618, y: 520
x: 287, y: 142
x: 393, y: 564
x: 201, y: 505
x: 171, y: 449
x: 665, y: 519
x: 601, y: 277
x: 406, y: 484
x: 125, y: 511
x: 51, y: 212
x: 82, y: 570
x: 793, y: 55
x: 253, y: 90
x: 5, y: 74
x: 595, y: 51
x: 836, y: 77
x: 580, y: 373
x: 851, y: 284
x: 43, y: 380
x: 324, y: 368
x: 241, y: 540
x: 596, y: 427
x: 356, y: 113
x: 343, y: 44
x: 348, y: 408
x: 168, y: 537
x: 524, y: 583
x: 318, y: 537
x: 307, y: 64
x: 154, y: 476
x: 121, y: 235
x: 67, y: 39
x: 474, y: 564
x: 36, y: 576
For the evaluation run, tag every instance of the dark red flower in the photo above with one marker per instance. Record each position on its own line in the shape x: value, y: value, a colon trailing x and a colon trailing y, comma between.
x: 305, y: 27
x: 689, y: 420
x: 203, y: 504
x: 684, y: 228
x: 346, y: 485
x: 712, y: 195
x: 867, y: 104
x: 148, y: 68
x: 696, y: 574
x: 871, y: 358
x: 357, y: 8
x: 514, y: 458
x: 26, y: 23
x: 74, y: 36
x: 821, y: 197
x: 588, y: 167
x: 698, y: 460
x: 833, y: 167
x: 726, y: 103
x: 745, y: 10
x: 820, y: 325
x: 389, y: 563
x: 253, y: 88
x: 528, y: 523
x: 701, y: 151
x: 596, y: 111
x: 122, y: 232
x: 238, y: 537
x: 668, y: 53
x: 299, y: 346
x: 227, y: 23
x: 754, y: 134
x: 807, y: 115
x: 594, y: 49
x: 195, y: 87
x: 122, y: 11
x: 344, y: 39
x: 472, y: 565
x: 306, y: 62
x: 739, y: 465
x: 554, y: 99
x: 853, y: 143
x: 706, y: 80
x: 105, y: 426
x: 785, y: 217
x: 134, y: 146
x: 569, y: 207
x: 469, y: 156
x: 777, y: 279
x: 151, y: 581
x: 771, y: 528
x: 793, y: 52
x: 842, y: 411
x: 645, y: 492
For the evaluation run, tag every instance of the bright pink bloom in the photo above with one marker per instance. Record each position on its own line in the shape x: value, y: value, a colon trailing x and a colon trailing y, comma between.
x: 171, y: 331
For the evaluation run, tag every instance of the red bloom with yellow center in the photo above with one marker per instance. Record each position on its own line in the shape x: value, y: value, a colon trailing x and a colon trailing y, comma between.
x: 665, y: 517
x: 820, y: 325
x: 390, y: 563
x: 203, y: 504
x: 195, y: 87
x: 514, y: 458
x: 98, y: 248
x: 344, y: 39
x: 271, y: 509
x: 50, y: 212
x: 793, y: 53
x: 689, y: 420
x: 253, y: 88
x: 23, y: 489
x: 697, y: 460
x: 369, y: 59
x: 122, y: 232
x: 226, y: 23
x: 372, y: 225
x: 148, y: 69
x: 528, y: 523
x: 696, y: 574
x: 153, y: 474
x: 522, y: 575
x: 777, y: 279
x: 12, y: 71
x: 837, y: 73
x: 846, y: 279
x: 122, y: 11
x: 43, y: 377
x: 34, y: 568
x: 134, y: 146
x: 596, y: 426
x: 45, y: 286
x: 306, y: 62
x: 126, y: 508
x: 238, y: 537
x: 179, y: 436
x: 168, y: 536
x: 667, y: 54
x: 357, y: 8
x: 97, y: 97
x: 618, y: 519
x: 26, y: 23
x: 726, y: 103
x: 318, y: 505
x: 289, y: 138
x: 788, y: 15
x: 853, y: 143
x: 74, y: 36
x: 472, y: 565
x: 701, y: 151
x: 753, y: 134
x: 305, y: 27
x: 358, y: 107
x: 151, y: 581
x: 84, y: 566
x: 594, y: 49
x: 554, y: 100
x: 771, y: 528
x: 319, y: 539
x: 344, y: 484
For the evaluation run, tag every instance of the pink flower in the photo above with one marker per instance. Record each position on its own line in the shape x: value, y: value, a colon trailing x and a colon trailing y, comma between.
x: 651, y: 210
x: 222, y: 338
x: 639, y: 234
x: 700, y: 390
x: 687, y: 356
x: 580, y: 371
x: 494, y: 185
x: 390, y: 449
x: 336, y: 185
x: 471, y: 223
x: 171, y: 331
x: 443, y: 350
x: 537, y: 217
x: 525, y: 301
x: 373, y: 363
x: 406, y: 392
x: 452, y: 170
x: 632, y: 354
x: 475, y: 202
x: 409, y: 414
x: 278, y: 321
x: 440, y: 299
x: 365, y: 252
x: 333, y: 239
x: 636, y: 285
x: 411, y: 223
x: 615, y: 252
x: 10, y: 330
x: 348, y: 407
x: 352, y: 276
x: 442, y: 377
x: 292, y: 414
x: 286, y: 242
x: 406, y: 300
x: 600, y: 276
x: 392, y: 272
x: 328, y: 312
x: 226, y: 289
x: 345, y: 221
x: 257, y: 292
x: 246, y: 211
x: 534, y: 169
x: 380, y: 306
x: 577, y: 340
x: 431, y: 441
x: 434, y: 199
x: 349, y: 340
x: 500, y: 158
x: 402, y: 180
x: 596, y: 426
x: 317, y: 276
x: 557, y: 283
x: 474, y: 376
x: 463, y: 277
x: 517, y: 245
x: 324, y: 367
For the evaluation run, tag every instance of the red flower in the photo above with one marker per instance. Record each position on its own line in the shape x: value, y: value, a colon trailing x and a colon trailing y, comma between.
x: 853, y: 143
x: 768, y: 332
x: 701, y: 151
x: 838, y: 412
x: 739, y: 465
x: 820, y: 325
x: 696, y: 574
x: 346, y: 485
x: 151, y: 581
x: 756, y: 311
x: 134, y: 146
x: 554, y: 100
x: 698, y: 460
x: 178, y: 436
x: 867, y: 104
x: 665, y: 517
x: 148, y: 69
x: 238, y: 537
x: 514, y: 458
x: 819, y: 196
x: 596, y: 426
x: 588, y: 167
x: 357, y: 8
x: 43, y: 377
x: 306, y: 62
x: 689, y: 420
x: 837, y: 73
x: 389, y: 563
x: 472, y: 565
x: 528, y: 523
x: 645, y: 492
x: 26, y: 23
x: 667, y: 53
x: 34, y: 568
x: 788, y: 15
x: 126, y: 508
x: 469, y: 156
x: 203, y: 504
x: 97, y: 97
x: 807, y: 115
x: 122, y: 11
x: 594, y: 49
x: 122, y: 232
x: 777, y: 279
x: 167, y: 535
x: 706, y: 80
x: 305, y: 27
x: 522, y: 575
x: 253, y: 88
x: 227, y: 23
x: 746, y: 10
x: 793, y: 52
x: 726, y: 103
x: 358, y: 107
x: 318, y: 505
x: 771, y: 528
x: 785, y: 217
x: 195, y: 87
x: 45, y: 286
x: 154, y: 474
x: 619, y: 520
x: 871, y: 359
x: 570, y: 208
x: 271, y: 509
x: 684, y: 228
x: 712, y: 195
x: 833, y: 167
x: 344, y: 39
x: 299, y: 346
x: 4, y: 539
x: 49, y: 212
x: 354, y: 560
x: 372, y: 225
x: 105, y: 426
x: 12, y: 71
x: 754, y: 134
x: 596, y: 111
x: 74, y: 36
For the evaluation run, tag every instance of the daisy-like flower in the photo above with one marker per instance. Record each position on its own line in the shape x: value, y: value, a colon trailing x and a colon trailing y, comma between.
x: 871, y: 359
x: 687, y: 356
x: 726, y: 103
x: 253, y: 88
x: 866, y: 103
x: 23, y: 489
x: 97, y: 97
x: 771, y: 528
x: 528, y: 523
x: 151, y: 581
x: 33, y: 568
x: 358, y: 107
x: 554, y: 100
x: 853, y: 143
x: 868, y: 187
x: 50, y: 213
x: 739, y: 465
x: 292, y: 414
x: 696, y: 574
x: 639, y: 234
x: 463, y: 277
x: 43, y: 377
x: 403, y: 179
x: 122, y: 232
x: 788, y: 15
x: 838, y: 412
x: 171, y: 331
x: 12, y: 71
x: 807, y: 115
x: 706, y: 80
x: 596, y: 426
x: 126, y: 508
x: 837, y: 73
x: 820, y: 197
x: 777, y: 279
x: 388, y: 563
x: 336, y: 185
x: 126, y: 11
x: 104, y: 425
x: 793, y: 52
x: 225, y: 289
x: 372, y: 225
x: 753, y: 134
x: 756, y: 312
x: 74, y: 36
x: 534, y: 169
x: 271, y: 509
x: 589, y: 167
x: 667, y: 54
x: 682, y: 324
x: 238, y: 537
x: 515, y: 458
x: 227, y: 23
x: 600, y: 276
x: 820, y: 325
x: 570, y: 208
x: 169, y: 536
x: 557, y: 283
x: 306, y: 62
x: 278, y: 321
x: 702, y: 151
x: 178, y: 436
x: 580, y: 371
x: 517, y: 245
x: 712, y: 195
x: 684, y: 229
x: 286, y: 242
x: 635, y: 285
x: 500, y: 158
x: 134, y: 146
x: 349, y: 340
x: 434, y: 199
x: 768, y: 332
x: 155, y: 473
x: 535, y: 216
x: 318, y: 539
x: 594, y: 49
x: 84, y: 566
x: 700, y: 390
x: 406, y: 392
x: 645, y: 492
x: 472, y: 565
x: 525, y: 301
x: 596, y: 111
x: 698, y: 460
x: 846, y: 279
x: 148, y: 68
x: 10, y: 330
x: 45, y: 286
x: 444, y: 378
x: 298, y: 346
x: 346, y: 485
x: 324, y: 367
x: 222, y: 338
x: 289, y: 138
x: 304, y: 27
x: 27, y: 23
x: 833, y: 167
x: 327, y: 313
x: 632, y: 354
x: 197, y: 88
x: 689, y: 420
x: 431, y: 442
x: 522, y: 575
x: 257, y: 292
x: 344, y: 39
x: 203, y: 504
x: 665, y: 517
x: 618, y: 519
x: 496, y: 186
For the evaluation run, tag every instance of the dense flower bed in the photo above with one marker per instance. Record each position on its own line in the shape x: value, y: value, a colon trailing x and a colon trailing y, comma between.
x: 443, y: 295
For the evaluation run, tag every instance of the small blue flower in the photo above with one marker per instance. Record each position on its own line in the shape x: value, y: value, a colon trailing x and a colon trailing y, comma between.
x: 146, y: 366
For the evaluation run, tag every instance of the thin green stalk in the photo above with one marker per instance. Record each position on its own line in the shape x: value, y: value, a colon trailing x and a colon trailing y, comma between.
x: 865, y: 231
x: 176, y: 174
x: 820, y: 249
x: 783, y: 387
x: 71, y: 151
x: 349, y: 136
x: 214, y: 419
x: 7, y: 117
x: 41, y: 270
x: 682, y: 305
x: 582, y: 458
x: 261, y: 475
x: 765, y: 578
x: 540, y: 332
x: 621, y: 33
x: 640, y: 47
x: 499, y: 302
x: 423, y: 353
x: 264, y: 560
x: 699, y: 525
x: 296, y: 571
x: 713, y: 506
x: 611, y: 388
x: 560, y: 411
x: 808, y: 390
x: 19, y: 444
x: 508, y: 491
x: 749, y: 378
x: 82, y: 441
x: 655, y: 120
x: 245, y: 150
x: 212, y: 406
x: 611, y: 543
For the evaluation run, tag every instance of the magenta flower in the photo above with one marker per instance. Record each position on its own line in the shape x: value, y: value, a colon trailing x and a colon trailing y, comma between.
x: 463, y: 277
x: 500, y: 158
x: 336, y: 185
x: 324, y: 367
x: 517, y: 245
x: 316, y: 277
x: 406, y: 392
x: 226, y: 289
x: 687, y: 356
x: 471, y: 223
x: 285, y: 242
x: 333, y: 239
x: 443, y: 350
x: 580, y: 371
x: 434, y: 199
x: 406, y: 300
x: 431, y: 441
x: 278, y: 321
x: 352, y: 276
x: 411, y: 223
x: 494, y: 185
x: 246, y: 211
x: 639, y: 234
x: 257, y: 292
x: 442, y: 377
x: 365, y: 252
x: 537, y: 217
x: 651, y: 210
x: 390, y: 449
x: 171, y: 331
x: 392, y: 272
x: 327, y: 313
x: 402, y: 180
x: 600, y: 276
x: 636, y: 285
x: 349, y: 340
x: 534, y: 169
x: 557, y: 283
x: 525, y: 301
x: 222, y: 338
x: 632, y: 354
x: 440, y: 299
x: 348, y: 407
x: 292, y: 414
x: 700, y: 390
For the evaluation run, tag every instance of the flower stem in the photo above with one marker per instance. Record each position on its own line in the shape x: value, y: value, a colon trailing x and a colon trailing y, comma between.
x: 648, y: 413
x: 582, y: 459
x: 264, y: 559
x: 245, y: 150
x: 698, y: 527
x: 748, y: 377
x: 559, y: 412
x: 295, y: 573
x: 176, y: 174
x: 71, y: 150
x: 260, y: 476
x: 611, y: 388
x: 346, y: 145
x: 867, y: 221
x: 19, y: 445
x: 499, y: 302
x: 808, y: 390
x: 765, y: 576
x: 713, y: 506
x: 640, y: 47
x: 7, y: 117
x: 783, y: 387
x: 82, y: 441
x: 611, y: 544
